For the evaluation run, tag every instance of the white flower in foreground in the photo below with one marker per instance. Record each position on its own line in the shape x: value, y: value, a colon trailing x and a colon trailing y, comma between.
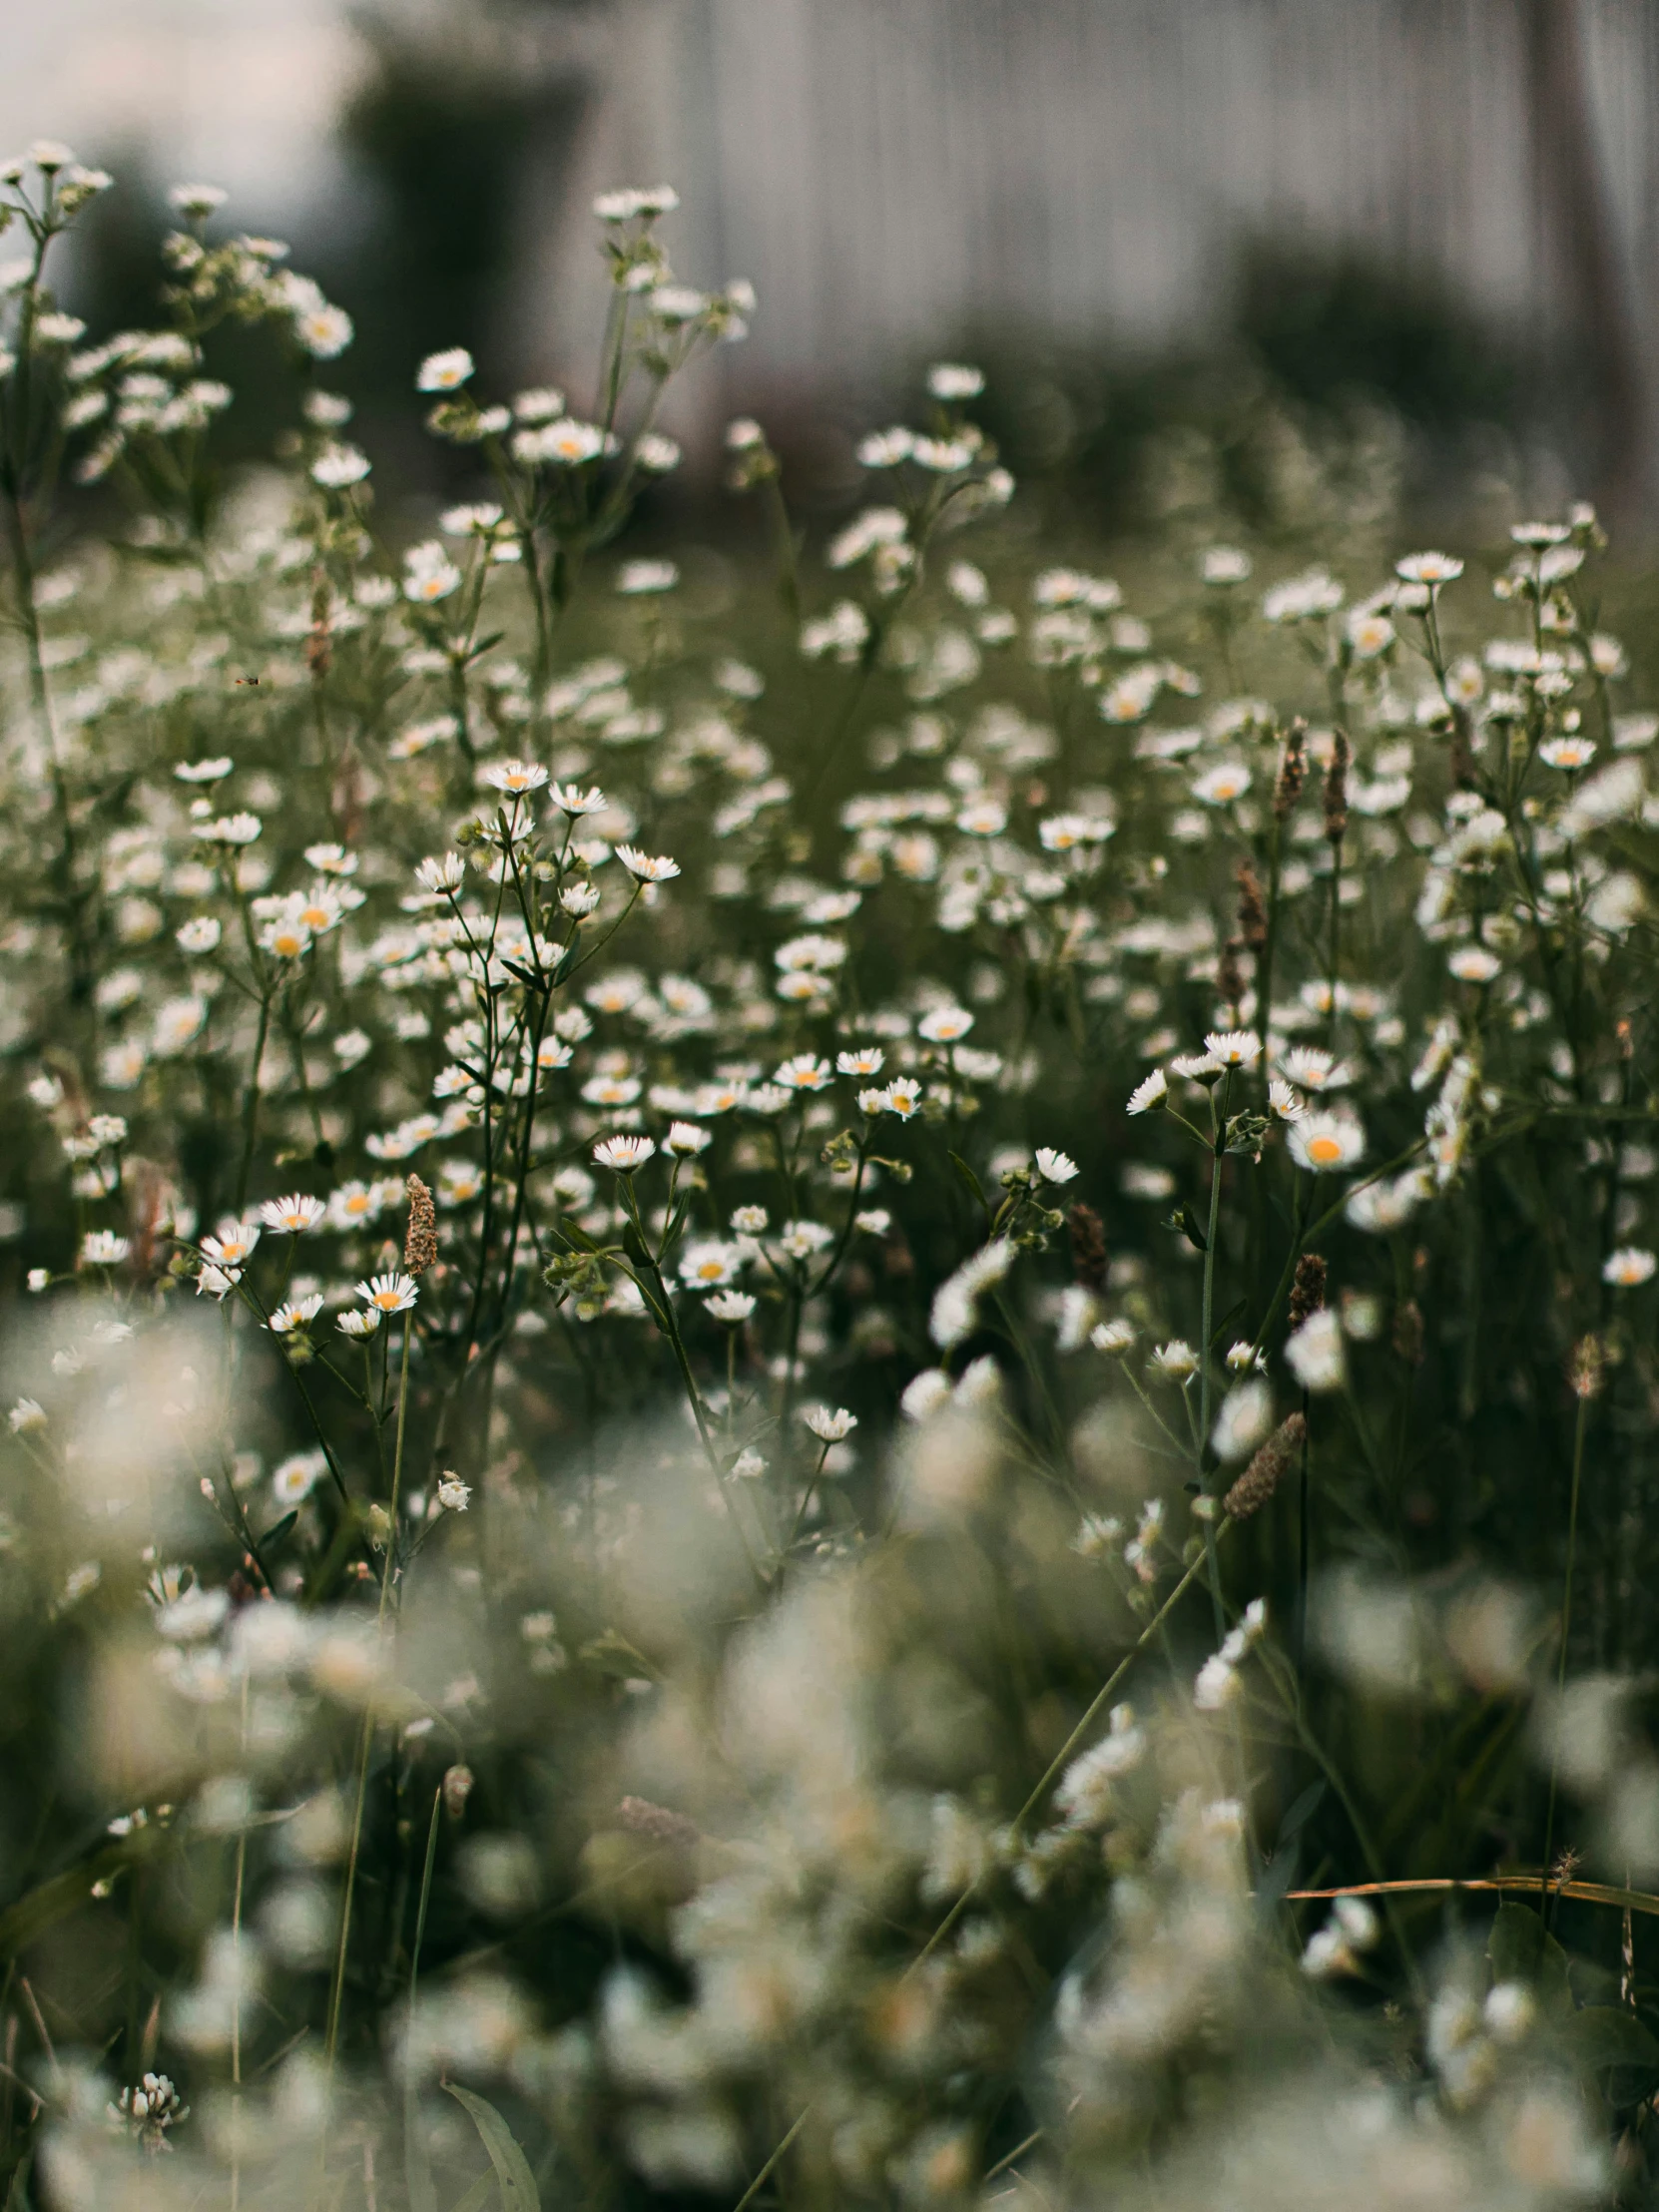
x: 1176, y: 1360
x: 1112, y: 1336
x: 805, y: 1072
x: 295, y: 1314
x: 1056, y: 1167
x: 731, y: 1307
x: 686, y: 1140
x: 955, y: 380
x: 232, y: 1245
x: 647, y: 867
x: 515, y: 777
x: 292, y: 1217
x: 1151, y: 1092
x: 1245, y: 1416
x: 388, y: 1293
x: 635, y: 579
x: 338, y: 466
x: 446, y: 371
x: 1472, y: 963
x: 1234, y: 1048
x: 570, y: 799
x: 359, y: 1325
x: 829, y: 1428
x: 1433, y: 569
x: 1628, y: 1266
x: 443, y: 873
x: 1283, y: 1102
x: 102, y: 1247
x: 955, y: 1309
x: 1314, y: 1353
x: 623, y: 1153
x: 1325, y: 1142
x: 453, y: 1492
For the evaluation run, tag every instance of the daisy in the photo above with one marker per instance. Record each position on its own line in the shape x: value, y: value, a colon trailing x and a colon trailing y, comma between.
x: 805, y: 1072
x: 1055, y: 1167
x: 1324, y: 1142
x: 232, y: 1245
x: 1234, y: 1048
x: 295, y: 1313
x: 1151, y: 1092
x: 733, y: 1308
x: 708, y: 1264
x: 388, y: 1293
x: 571, y: 799
x: 1628, y: 1266
x: 646, y: 868
x: 1315, y: 1070
x: 292, y: 1217
x: 686, y: 1140
x: 867, y: 1060
x: 944, y: 1025
x: 515, y: 777
x: 829, y: 1428
x: 1176, y: 1360
x: 446, y: 371
x: 1433, y: 569
x: 623, y: 1153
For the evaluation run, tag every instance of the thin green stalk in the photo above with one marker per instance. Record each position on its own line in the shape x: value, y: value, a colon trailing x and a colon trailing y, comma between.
x: 1218, y: 1140
x: 417, y: 2171
x: 337, y: 1992
x: 250, y: 1105
x: 1579, y: 1427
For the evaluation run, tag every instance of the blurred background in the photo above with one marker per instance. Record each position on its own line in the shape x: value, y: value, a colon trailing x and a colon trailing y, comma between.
x: 1148, y: 217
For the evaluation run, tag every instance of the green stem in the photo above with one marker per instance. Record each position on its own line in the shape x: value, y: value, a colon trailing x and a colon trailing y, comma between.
x: 1579, y: 1427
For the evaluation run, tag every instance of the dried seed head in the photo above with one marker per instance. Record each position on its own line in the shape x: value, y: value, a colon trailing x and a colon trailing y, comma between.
x: 1253, y: 910
x: 1293, y: 772
x: 1308, y: 1290
x: 420, y: 1243
x: 1588, y: 1366
x: 642, y: 1818
x: 1272, y: 1461
x: 1336, y: 789
x: 1088, y: 1247
x: 1228, y: 974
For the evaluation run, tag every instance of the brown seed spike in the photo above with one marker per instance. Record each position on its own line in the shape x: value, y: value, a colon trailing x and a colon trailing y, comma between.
x: 1272, y: 1461
x: 420, y: 1243
x: 1307, y: 1291
x: 1293, y: 770
x: 1088, y: 1247
x: 1253, y: 909
x: 1336, y: 789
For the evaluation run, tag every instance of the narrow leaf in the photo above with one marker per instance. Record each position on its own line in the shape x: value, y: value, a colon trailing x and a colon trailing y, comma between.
x: 512, y: 2169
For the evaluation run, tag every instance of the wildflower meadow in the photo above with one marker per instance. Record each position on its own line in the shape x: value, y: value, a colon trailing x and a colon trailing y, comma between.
x: 831, y: 1379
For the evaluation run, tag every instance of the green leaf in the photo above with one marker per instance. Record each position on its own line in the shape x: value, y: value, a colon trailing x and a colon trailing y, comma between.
x: 480, y: 2194
x: 1301, y: 1810
x: 1184, y: 1222
x: 1521, y: 1950
x: 1611, y: 2043
x: 512, y: 2169
x: 968, y: 1177
x: 279, y: 1529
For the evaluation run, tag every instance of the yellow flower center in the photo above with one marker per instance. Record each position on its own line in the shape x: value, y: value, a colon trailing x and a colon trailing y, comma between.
x: 1324, y: 1150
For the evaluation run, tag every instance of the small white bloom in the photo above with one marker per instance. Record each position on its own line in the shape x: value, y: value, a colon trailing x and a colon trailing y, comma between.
x: 830, y: 1427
